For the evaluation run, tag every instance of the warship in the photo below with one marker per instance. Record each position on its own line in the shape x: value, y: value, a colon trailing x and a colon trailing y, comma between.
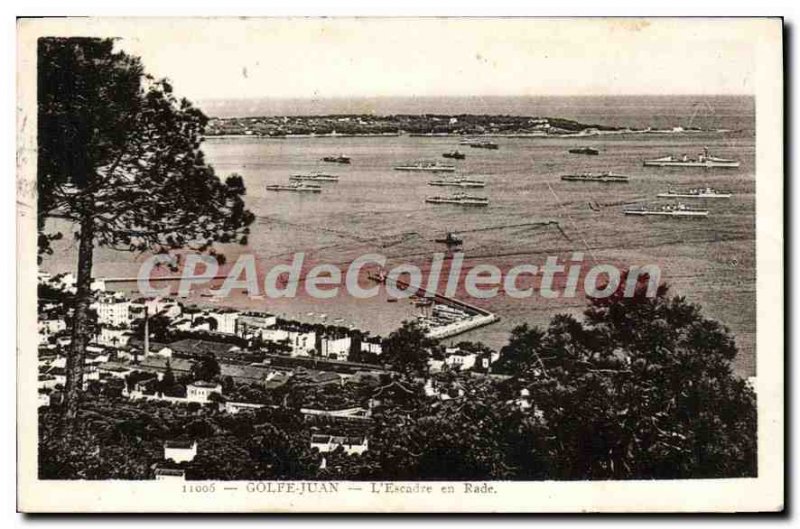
x: 585, y: 150
x: 314, y: 177
x: 480, y: 144
x: 297, y: 187
x: 458, y: 182
x: 432, y: 167
x: 459, y: 199
x: 668, y: 210
x: 337, y: 159
x: 605, y: 178
x: 704, y: 192
x: 704, y: 159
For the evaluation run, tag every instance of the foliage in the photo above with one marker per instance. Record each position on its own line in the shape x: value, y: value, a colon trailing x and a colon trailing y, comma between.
x: 207, y: 368
x: 408, y: 348
x: 640, y: 388
x: 119, y: 159
x: 157, y: 326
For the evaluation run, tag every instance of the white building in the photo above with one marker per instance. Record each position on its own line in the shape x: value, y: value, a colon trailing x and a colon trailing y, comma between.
x: 47, y: 381
x: 224, y: 318
x: 113, y: 310
x: 303, y: 343
x: 329, y: 443
x: 335, y: 348
x: 113, y: 336
x: 166, y: 306
x: 253, y: 323
x: 235, y: 407
x: 372, y: 345
x: 158, y: 350
x: 52, y: 326
x: 169, y: 474
x: 180, y: 451
x: 200, y: 391
x: 463, y: 360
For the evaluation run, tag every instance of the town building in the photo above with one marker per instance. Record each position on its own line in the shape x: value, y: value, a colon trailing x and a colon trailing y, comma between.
x: 200, y: 391
x: 251, y: 324
x: 113, y: 310
x: 235, y: 407
x: 169, y: 474
x: 193, y: 347
x: 351, y: 445
x: 302, y: 342
x: 372, y: 345
x: 458, y: 359
x: 114, y: 336
x: 180, y: 451
x: 335, y: 347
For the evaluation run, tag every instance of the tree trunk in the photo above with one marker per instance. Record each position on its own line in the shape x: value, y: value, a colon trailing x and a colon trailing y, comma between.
x: 80, y: 323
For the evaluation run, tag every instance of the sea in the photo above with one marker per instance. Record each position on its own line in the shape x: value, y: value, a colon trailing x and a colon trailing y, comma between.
x: 375, y: 209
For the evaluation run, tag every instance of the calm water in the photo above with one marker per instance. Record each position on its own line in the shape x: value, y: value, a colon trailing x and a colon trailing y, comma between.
x: 375, y: 209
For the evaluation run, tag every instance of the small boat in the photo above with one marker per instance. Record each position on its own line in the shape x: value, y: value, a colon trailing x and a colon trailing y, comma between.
x: 458, y: 182
x: 433, y: 167
x: 295, y: 187
x: 605, y: 178
x: 480, y: 144
x: 703, y: 160
x: 706, y: 192
x: 314, y: 177
x: 459, y: 199
x: 450, y: 240
x: 585, y: 150
x: 669, y: 210
x: 337, y: 159
x: 455, y: 155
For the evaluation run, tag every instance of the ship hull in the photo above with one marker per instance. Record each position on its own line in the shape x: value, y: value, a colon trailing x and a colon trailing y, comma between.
x: 668, y: 195
x: 668, y: 213
x: 287, y: 190
x: 299, y: 178
x: 457, y: 203
x: 465, y: 185
x: 589, y: 152
x: 706, y: 165
x: 426, y: 169
x: 601, y: 180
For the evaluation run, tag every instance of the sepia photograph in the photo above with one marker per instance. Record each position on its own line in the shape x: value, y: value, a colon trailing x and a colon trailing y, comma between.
x: 400, y: 264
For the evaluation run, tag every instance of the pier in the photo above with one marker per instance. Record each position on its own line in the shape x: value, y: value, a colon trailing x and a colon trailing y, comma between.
x: 480, y: 317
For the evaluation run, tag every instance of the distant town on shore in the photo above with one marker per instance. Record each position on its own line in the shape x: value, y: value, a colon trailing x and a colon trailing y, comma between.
x: 422, y: 124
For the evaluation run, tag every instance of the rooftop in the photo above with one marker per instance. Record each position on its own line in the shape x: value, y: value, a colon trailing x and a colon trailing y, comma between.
x: 175, y: 443
x: 192, y: 346
x: 204, y: 384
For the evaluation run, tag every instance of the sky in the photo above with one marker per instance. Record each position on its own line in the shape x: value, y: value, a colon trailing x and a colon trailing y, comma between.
x: 208, y: 59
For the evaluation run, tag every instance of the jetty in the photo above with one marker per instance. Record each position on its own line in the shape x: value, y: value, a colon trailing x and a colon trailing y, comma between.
x: 478, y: 317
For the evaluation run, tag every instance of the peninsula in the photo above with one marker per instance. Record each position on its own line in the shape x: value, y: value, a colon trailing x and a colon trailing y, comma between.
x: 417, y: 125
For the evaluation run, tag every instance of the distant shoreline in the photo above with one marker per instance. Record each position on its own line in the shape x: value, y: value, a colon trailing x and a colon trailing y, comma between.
x: 490, y: 135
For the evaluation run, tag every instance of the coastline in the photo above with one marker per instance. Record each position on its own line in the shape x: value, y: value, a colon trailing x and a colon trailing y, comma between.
x: 592, y: 134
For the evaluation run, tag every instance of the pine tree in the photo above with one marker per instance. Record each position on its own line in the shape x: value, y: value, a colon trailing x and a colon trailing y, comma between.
x: 119, y: 158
